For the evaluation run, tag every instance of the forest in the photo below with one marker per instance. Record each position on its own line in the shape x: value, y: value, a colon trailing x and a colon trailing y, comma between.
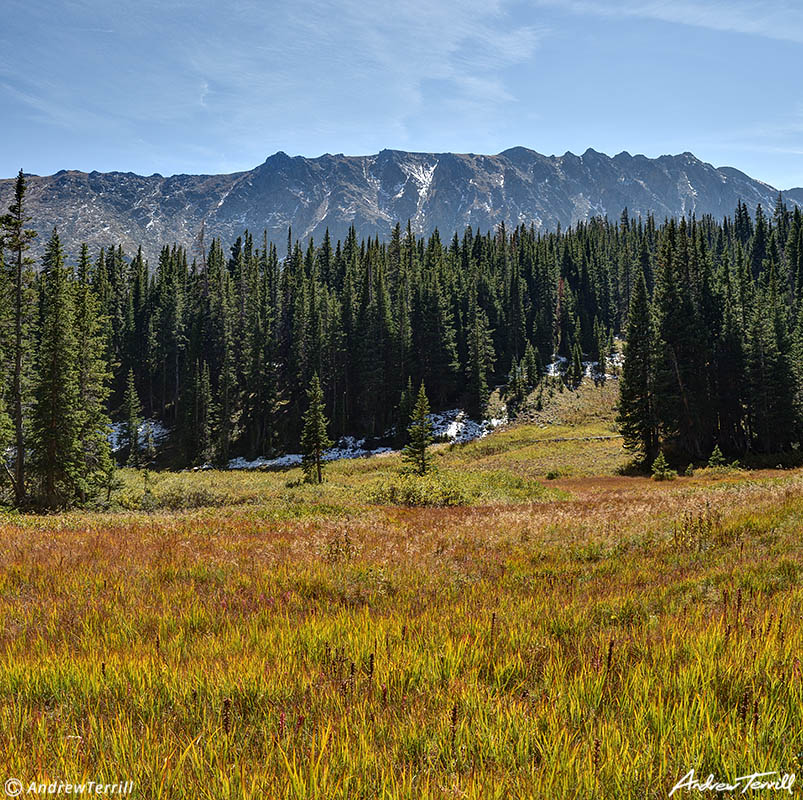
x: 222, y: 343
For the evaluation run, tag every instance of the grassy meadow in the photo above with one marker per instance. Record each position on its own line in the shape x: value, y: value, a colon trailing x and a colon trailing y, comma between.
x: 567, y: 630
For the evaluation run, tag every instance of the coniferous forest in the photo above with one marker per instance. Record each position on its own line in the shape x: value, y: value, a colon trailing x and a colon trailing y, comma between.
x: 222, y: 344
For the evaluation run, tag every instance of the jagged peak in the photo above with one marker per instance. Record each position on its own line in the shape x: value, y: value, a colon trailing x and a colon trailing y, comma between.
x: 519, y: 150
x: 594, y: 154
x: 279, y: 155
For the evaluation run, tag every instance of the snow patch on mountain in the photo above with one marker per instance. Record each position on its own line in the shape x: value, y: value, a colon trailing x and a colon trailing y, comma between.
x: 421, y: 174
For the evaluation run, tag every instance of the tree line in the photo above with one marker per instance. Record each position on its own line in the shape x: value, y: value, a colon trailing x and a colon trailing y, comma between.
x: 714, y: 339
x: 221, y: 346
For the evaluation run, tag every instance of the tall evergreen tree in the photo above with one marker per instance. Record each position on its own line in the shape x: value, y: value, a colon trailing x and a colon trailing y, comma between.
x: 636, y: 414
x: 57, y: 422
x: 314, y: 437
x: 5, y: 420
x: 531, y: 365
x: 416, y: 451
x: 132, y: 420
x: 16, y: 239
x: 574, y: 374
x: 481, y: 359
x: 93, y: 378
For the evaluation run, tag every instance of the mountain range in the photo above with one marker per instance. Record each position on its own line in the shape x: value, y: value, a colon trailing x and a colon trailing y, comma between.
x: 447, y: 191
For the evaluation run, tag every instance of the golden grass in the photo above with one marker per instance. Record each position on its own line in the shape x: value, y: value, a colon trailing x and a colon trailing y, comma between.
x: 286, y: 641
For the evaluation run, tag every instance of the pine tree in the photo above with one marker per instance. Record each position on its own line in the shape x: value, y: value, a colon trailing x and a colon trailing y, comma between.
x: 415, y: 452
x: 716, y: 460
x: 574, y: 375
x: 531, y: 364
x: 199, y: 417
x: 5, y: 420
x: 600, y: 351
x: 770, y: 376
x: 682, y: 343
x: 480, y: 362
x: 93, y: 378
x: 661, y: 470
x: 16, y: 238
x: 56, y: 424
x: 205, y: 417
x: 132, y: 411
x: 516, y: 386
x: 636, y: 417
x: 314, y: 438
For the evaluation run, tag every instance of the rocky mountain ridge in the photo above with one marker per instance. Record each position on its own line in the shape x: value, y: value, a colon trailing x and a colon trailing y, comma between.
x: 447, y: 191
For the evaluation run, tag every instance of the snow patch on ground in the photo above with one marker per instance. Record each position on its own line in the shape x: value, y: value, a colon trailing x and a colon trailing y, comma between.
x: 347, y: 447
x: 613, y: 364
x: 453, y: 425
x: 158, y: 432
x: 557, y: 367
x: 457, y: 427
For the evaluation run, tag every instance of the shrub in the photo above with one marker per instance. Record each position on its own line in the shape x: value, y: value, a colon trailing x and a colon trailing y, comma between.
x: 417, y: 490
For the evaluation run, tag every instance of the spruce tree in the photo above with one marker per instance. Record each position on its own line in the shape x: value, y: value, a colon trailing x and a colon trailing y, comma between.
x: 531, y: 364
x: 93, y: 378
x: 16, y: 239
x: 314, y: 438
x: 5, y: 420
x: 771, y: 384
x: 682, y: 342
x: 480, y: 362
x: 516, y: 386
x: 132, y: 420
x: 205, y: 419
x: 56, y: 424
x: 635, y: 418
x: 574, y: 374
x: 199, y: 417
x: 415, y: 452
x: 600, y: 352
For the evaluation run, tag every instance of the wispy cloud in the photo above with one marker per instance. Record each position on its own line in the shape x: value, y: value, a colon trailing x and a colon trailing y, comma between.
x: 367, y: 64
x: 255, y: 77
x: 212, y: 85
x: 774, y: 19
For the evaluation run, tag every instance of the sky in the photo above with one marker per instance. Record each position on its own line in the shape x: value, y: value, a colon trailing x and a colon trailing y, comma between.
x: 173, y: 86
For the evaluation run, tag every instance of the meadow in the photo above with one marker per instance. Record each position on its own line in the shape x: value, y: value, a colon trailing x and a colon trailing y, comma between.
x: 568, y: 630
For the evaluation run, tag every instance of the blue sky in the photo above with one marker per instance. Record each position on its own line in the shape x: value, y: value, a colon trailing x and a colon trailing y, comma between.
x: 207, y: 86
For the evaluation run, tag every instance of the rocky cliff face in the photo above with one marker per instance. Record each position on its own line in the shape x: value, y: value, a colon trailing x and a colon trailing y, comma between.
x: 447, y: 191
